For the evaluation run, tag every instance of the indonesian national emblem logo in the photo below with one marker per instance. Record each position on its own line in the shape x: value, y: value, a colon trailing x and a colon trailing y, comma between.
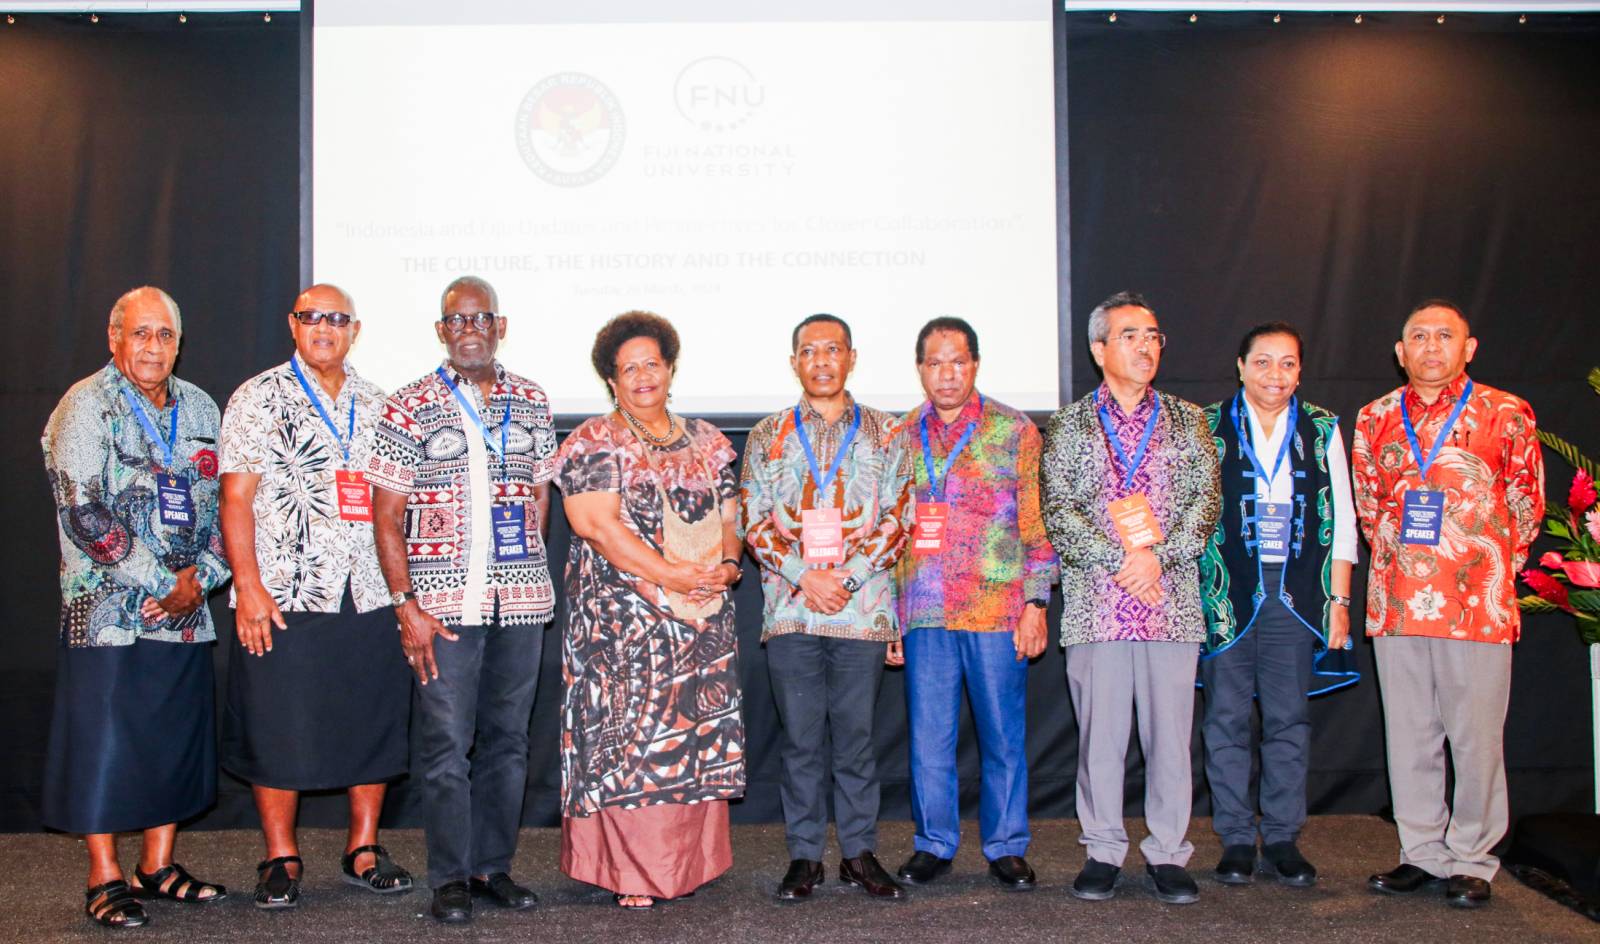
x: 570, y: 129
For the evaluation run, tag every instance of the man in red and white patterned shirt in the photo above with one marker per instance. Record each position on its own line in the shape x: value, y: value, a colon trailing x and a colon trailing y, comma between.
x: 1449, y: 489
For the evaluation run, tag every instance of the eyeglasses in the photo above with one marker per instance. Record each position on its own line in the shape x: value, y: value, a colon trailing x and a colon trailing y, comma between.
x: 1136, y: 338
x: 337, y: 319
x: 456, y: 322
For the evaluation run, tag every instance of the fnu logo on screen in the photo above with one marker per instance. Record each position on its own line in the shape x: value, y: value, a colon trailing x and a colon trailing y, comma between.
x: 717, y: 93
x: 570, y: 129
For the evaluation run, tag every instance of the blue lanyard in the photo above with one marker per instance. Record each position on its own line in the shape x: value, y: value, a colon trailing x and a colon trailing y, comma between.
x: 838, y: 457
x: 1423, y: 465
x: 1130, y: 467
x: 1250, y: 453
x: 345, y: 441
x: 936, y: 481
x: 472, y: 414
x: 168, y: 444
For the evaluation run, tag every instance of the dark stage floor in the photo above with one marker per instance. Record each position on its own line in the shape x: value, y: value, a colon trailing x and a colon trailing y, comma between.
x: 41, y: 877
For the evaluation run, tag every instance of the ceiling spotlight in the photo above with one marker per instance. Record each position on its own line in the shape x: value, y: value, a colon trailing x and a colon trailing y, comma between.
x: 94, y: 18
x: 1277, y: 17
x: 1193, y: 17
x: 10, y: 20
x: 266, y: 17
x: 1112, y: 18
x: 1358, y: 18
x: 1440, y: 20
x: 183, y: 17
x: 1523, y: 18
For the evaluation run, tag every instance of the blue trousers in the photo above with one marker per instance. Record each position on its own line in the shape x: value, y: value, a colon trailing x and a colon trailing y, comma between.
x: 472, y: 747
x: 1268, y: 667
x: 938, y: 662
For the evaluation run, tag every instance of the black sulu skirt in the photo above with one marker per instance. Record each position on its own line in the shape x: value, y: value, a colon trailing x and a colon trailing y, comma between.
x: 132, y: 739
x: 328, y: 707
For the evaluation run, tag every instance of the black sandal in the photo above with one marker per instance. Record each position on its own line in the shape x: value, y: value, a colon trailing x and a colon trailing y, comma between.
x: 114, y: 905
x: 175, y: 883
x: 275, y: 887
x: 384, y: 878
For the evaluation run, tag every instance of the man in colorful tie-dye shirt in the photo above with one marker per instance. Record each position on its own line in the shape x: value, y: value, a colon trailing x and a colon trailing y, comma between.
x: 1449, y: 488
x: 973, y: 589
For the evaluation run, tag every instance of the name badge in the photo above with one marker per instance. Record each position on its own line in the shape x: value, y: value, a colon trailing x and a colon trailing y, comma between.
x: 932, y: 519
x: 510, y: 533
x: 1136, y: 523
x: 355, y: 498
x: 822, y: 536
x: 177, y: 505
x: 1420, y: 518
x: 1272, y: 528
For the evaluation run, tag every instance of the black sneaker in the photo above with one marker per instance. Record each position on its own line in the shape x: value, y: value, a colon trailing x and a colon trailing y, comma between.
x: 1172, y: 884
x: 1097, y: 881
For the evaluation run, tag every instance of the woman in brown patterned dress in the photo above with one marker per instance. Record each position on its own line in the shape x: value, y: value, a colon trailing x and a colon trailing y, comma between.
x: 652, y: 740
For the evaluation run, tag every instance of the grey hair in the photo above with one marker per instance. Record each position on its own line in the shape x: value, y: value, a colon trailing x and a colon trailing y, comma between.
x: 470, y: 282
x: 134, y: 294
x: 1100, y: 318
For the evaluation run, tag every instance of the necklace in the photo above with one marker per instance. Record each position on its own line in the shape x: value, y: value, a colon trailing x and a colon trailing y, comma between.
x: 642, y: 430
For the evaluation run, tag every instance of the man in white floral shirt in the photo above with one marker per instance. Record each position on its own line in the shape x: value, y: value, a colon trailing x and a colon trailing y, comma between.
x: 297, y: 525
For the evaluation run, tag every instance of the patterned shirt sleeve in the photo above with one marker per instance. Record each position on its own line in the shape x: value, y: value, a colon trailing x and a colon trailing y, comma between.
x: 1524, y: 478
x: 768, y: 545
x: 1039, y: 568
x: 1364, y: 478
x: 587, y: 463
x: 1077, y: 539
x: 1197, y: 488
x: 75, y: 442
x: 880, y: 548
x: 242, y: 448
x: 396, y: 448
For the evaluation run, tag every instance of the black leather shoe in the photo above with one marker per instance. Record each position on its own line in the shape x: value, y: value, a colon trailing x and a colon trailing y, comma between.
x: 802, y: 877
x: 1172, y: 884
x: 452, y: 903
x: 1402, y: 880
x: 1285, y: 861
x: 1237, y: 866
x: 922, y: 868
x: 1013, y: 873
x: 500, y: 889
x: 1464, y: 891
x: 865, y: 871
x: 1097, y: 881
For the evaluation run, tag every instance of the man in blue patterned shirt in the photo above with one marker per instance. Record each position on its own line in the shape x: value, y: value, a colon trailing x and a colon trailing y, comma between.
x: 131, y: 455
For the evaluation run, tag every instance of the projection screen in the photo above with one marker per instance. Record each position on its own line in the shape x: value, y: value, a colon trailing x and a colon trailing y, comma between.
x: 732, y: 166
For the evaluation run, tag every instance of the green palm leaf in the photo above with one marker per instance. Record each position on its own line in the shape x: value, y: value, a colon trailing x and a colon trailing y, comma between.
x: 1594, y: 379
x: 1533, y: 603
x: 1569, y: 452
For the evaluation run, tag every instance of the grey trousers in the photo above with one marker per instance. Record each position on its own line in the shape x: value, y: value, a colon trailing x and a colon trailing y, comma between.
x: 1111, y: 682
x: 826, y: 690
x: 1269, y: 666
x: 1436, y: 690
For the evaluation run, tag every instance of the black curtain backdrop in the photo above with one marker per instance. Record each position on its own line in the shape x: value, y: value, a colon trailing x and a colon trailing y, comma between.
x: 1235, y: 170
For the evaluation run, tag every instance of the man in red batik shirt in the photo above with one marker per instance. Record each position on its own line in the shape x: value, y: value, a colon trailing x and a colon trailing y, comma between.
x: 1449, y: 489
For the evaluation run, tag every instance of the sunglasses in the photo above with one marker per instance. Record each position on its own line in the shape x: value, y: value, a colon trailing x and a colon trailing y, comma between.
x: 337, y: 319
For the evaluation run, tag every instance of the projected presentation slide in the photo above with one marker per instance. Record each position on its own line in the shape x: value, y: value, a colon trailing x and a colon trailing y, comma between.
x: 732, y: 166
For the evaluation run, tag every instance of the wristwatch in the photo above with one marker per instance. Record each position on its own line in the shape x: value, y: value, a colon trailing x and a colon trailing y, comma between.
x: 1340, y: 601
x: 398, y: 600
x: 1041, y: 604
x: 852, y: 583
